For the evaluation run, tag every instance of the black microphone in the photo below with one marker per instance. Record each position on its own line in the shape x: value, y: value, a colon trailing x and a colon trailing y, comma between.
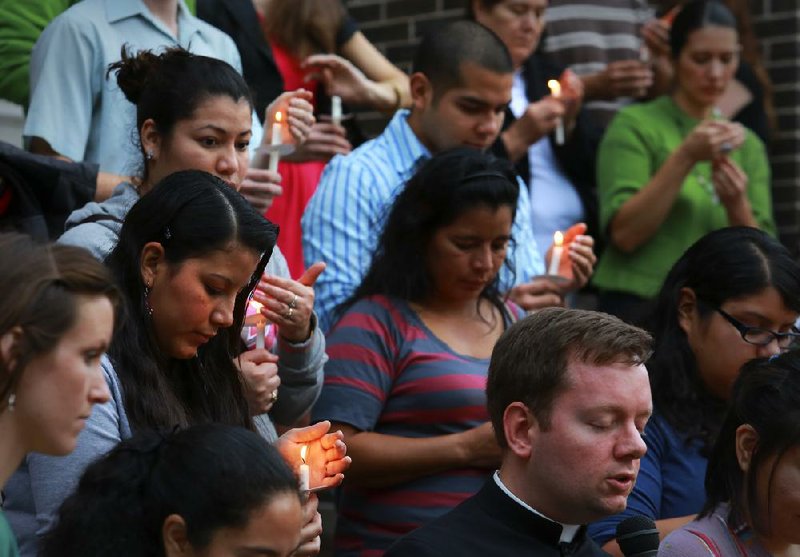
x: 637, y: 536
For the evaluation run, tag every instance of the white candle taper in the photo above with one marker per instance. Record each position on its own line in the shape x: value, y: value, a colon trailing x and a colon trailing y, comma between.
x: 304, y: 471
x: 276, y: 139
x: 555, y: 90
x: 336, y: 110
x: 555, y: 256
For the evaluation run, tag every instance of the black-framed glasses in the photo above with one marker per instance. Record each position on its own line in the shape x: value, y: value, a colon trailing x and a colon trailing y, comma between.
x: 759, y: 336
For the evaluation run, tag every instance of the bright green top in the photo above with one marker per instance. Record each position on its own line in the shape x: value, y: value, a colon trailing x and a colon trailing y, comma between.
x: 21, y: 23
x: 635, y: 146
x: 8, y: 544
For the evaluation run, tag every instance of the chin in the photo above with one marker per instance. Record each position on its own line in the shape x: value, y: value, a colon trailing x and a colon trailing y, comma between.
x: 185, y: 352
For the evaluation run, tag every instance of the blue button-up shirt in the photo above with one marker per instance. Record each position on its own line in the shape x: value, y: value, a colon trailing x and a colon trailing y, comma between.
x: 344, y: 218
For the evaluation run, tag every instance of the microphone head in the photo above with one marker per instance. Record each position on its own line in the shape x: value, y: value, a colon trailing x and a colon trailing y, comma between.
x: 637, y: 535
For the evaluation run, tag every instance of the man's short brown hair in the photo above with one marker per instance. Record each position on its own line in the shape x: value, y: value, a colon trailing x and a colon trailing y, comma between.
x: 530, y: 361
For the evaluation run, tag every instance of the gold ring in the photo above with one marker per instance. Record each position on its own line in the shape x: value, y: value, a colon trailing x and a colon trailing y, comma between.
x: 293, y: 303
x: 274, y: 395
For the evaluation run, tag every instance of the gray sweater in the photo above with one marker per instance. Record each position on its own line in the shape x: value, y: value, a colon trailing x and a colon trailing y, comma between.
x: 35, y: 492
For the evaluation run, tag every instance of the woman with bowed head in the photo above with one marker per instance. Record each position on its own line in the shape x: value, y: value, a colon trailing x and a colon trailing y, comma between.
x: 189, y: 254
x: 410, y: 352
x: 209, y: 490
x: 732, y: 297
x: 672, y: 170
x: 57, y: 308
x: 194, y: 112
x: 753, y: 477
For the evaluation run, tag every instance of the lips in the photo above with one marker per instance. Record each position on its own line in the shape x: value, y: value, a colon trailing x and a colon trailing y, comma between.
x: 622, y: 482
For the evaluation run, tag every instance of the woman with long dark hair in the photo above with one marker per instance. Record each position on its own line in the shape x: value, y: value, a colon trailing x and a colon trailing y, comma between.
x: 194, y: 112
x: 57, y: 309
x: 732, y: 297
x: 753, y: 476
x: 410, y: 352
x: 210, y: 489
x: 189, y: 255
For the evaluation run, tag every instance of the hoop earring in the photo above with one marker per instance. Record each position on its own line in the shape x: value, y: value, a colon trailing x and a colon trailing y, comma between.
x: 12, y: 402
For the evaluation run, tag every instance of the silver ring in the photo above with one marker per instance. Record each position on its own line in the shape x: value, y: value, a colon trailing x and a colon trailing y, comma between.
x: 274, y: 396
x: 725, y: 148
x: 293, y: 303
x: 289, y: 314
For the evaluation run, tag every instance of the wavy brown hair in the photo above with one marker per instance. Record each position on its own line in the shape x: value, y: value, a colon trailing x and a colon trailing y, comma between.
x: 304, y: 27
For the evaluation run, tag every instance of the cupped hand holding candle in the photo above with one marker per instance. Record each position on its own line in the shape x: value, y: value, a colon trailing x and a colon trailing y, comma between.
x: 325, y: 454
x: 555, y: 91
x: 257, y: 319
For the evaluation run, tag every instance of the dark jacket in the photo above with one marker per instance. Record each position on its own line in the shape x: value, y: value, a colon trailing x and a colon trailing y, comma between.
x: 43, y: 191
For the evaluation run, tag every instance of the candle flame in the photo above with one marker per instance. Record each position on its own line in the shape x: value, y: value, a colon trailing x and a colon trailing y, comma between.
x: 278, y: 116
x: 303, y: 452
x: 256, y: 306
x: 558, y: 239
x: 555, y: 87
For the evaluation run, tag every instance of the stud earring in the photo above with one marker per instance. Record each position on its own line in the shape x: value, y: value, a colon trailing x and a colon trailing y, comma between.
x: 12, y: 402
x: 149, y: 155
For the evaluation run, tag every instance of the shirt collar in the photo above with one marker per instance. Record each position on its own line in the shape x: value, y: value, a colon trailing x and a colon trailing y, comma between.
x: 399, y: 127
x: 117, y: 10
x: 568, y: 531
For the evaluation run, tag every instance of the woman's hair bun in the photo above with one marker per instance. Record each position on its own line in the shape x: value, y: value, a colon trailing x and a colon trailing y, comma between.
x: 134, y: 70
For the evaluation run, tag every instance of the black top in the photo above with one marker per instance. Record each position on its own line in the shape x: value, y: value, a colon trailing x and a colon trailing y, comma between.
x: 490, y: 523
x: 239, y: 20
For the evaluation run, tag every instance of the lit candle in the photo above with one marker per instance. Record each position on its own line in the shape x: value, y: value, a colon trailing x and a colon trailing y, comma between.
x: 304, y: 470
x: 336, y: 110
x: 277, y: 136
x: 555, y: 90
x: 261, y: 325
x: 555, y: 256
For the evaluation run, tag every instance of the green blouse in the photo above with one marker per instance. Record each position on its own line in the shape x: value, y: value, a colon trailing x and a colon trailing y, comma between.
x: 8, y: 544
x: 635, y: 146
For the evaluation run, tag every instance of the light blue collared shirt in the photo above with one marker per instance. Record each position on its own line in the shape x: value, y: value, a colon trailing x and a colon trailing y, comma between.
x: 346, y: 214
x: 82, y: 113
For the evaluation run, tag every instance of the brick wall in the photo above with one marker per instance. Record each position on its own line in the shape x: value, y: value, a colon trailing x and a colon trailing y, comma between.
x: 396, y: 26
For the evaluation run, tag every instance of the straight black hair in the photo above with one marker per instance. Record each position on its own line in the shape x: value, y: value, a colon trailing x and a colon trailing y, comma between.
x: 695, y: 15
x: 766, y: 396
x: 441, y: 190
x: 723, y: 265
x: 442, y: 53
x: 191, y: 214
x: 214, y: 476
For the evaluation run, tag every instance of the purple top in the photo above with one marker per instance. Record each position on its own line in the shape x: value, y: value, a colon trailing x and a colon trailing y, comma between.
x: 712, y: 536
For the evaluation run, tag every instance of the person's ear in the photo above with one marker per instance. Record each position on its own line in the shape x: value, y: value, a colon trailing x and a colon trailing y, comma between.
x: 151, y: 260
x: 519, y: 427
x: 421, y: 91
x: 477, y: 9
x: 8, y: 345
x: 746, y: 443
x: 151, y: 139
x: 176, y: 542
x: 687, y: 310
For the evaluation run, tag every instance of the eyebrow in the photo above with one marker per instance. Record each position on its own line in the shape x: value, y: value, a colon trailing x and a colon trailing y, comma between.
x: 477, y: 101
x: 219, y: 129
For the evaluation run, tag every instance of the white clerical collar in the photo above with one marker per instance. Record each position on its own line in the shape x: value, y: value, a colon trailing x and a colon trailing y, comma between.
x: 568, y: 531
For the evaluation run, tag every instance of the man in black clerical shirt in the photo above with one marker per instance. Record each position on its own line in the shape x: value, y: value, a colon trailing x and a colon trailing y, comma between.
x: 569, y: 397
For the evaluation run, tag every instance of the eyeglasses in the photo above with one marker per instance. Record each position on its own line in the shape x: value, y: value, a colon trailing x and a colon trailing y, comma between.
x: 759, y: 336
